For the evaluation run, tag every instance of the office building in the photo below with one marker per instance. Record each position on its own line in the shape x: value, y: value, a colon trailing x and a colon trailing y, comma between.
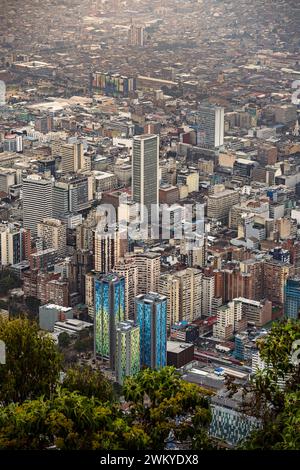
x: 127, y: 350
x: 276, y: 274
x: 109, y: 311
x: 151, y: 317
x: 72, y: 158
x: 37, y: 201
x: 136, y: 35
x: 292, y: 298
x: 220, y: 203
x: 145, y: 172
x: 256, y: 312
x: 208, y: 122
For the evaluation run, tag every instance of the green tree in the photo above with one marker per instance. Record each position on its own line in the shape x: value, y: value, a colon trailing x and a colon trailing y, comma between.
x: 161, y: 402
x: 273, y: 396
x: 8, y: 280
x: 32, y: 362
x: 64, y: 340
x: 70, y: 422
x: 88, y: 382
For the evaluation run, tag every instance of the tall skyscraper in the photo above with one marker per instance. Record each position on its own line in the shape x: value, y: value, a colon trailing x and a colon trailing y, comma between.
x: 136, y: 35
x: 145, y: 171
x: 292, y: 298
x: 127, y: 350
x: 209, y: 125
x: 151, y: 316
x: 109, y: 311
x: 37, y: 201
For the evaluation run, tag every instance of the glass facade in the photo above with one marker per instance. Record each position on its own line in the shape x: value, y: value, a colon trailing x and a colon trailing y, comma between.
x: 109, y: 311
x: 292, y: 298
x: 151, y: 312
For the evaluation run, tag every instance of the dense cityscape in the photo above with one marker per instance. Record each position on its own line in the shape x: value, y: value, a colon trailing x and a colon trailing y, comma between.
x: 150, y: 225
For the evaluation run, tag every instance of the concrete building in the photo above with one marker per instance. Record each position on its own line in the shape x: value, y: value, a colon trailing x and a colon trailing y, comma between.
x: 145, y: 171
x: 54, y: 234
x: 190, y: 294
x: 37, y: 201
x: 49, y: 314
x: 220, y: 203
x: 169, y: 286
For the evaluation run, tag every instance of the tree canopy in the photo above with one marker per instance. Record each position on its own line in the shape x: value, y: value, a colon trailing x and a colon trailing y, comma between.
x: 32, y: 362
x: 275, y: 391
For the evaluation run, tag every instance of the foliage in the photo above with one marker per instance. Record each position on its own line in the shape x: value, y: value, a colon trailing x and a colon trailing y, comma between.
x: 70, y: 422
x: 32, y: 362
x: 161, y: 402
x: 64, y: 340
x: 8, y: 281
x: 88, y: 382
x: 33, y: 305
x: 275, y: 392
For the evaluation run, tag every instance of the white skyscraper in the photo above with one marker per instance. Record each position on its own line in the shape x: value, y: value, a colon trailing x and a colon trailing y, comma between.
x: 37, y: 201
x: 210, y: 126
x: 145, y: 171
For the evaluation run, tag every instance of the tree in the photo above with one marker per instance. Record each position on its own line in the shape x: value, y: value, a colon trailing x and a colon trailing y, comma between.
x: 64, y: 340
x: 88, y: 382
x: 32, y: 362
x: 161, y: 402
x: 8, y: 280
x: 33, y: 305
x: 275, y: 392
x: 70, y: 422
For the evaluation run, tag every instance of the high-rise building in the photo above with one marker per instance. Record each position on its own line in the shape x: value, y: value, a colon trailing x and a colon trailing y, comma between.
x: 256, y: 312
x: 54, y: 234
x: 136, y: 35
x: 276, y: 274
x: 145, y: 172
x: 71, y: 195
x: 108, y: 250
x: 109, y: 311
x: 127, y: 268
x: 209, y: 126
x: 13, y: 244
x: 72, y: 158
x: 292, y: 298
x: 220, y: 203
x: 151, y: 317
x: 127, y: 350
x: 169, y: 286
x: 37, y: 201
x: 190, y: 293
x: 208, y: 293
x: 230, y: 319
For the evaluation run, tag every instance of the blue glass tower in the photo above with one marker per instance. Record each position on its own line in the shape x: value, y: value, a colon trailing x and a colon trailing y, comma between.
x: 151, y: 316
x: 109, y: 311
x: 292, y: 298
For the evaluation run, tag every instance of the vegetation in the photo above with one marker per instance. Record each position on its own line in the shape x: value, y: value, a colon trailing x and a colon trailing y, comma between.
x: 8, y: 281
x: 88, y: 382
x: 275, y: 392
x: 32, y: 362
x: 161, y: 402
